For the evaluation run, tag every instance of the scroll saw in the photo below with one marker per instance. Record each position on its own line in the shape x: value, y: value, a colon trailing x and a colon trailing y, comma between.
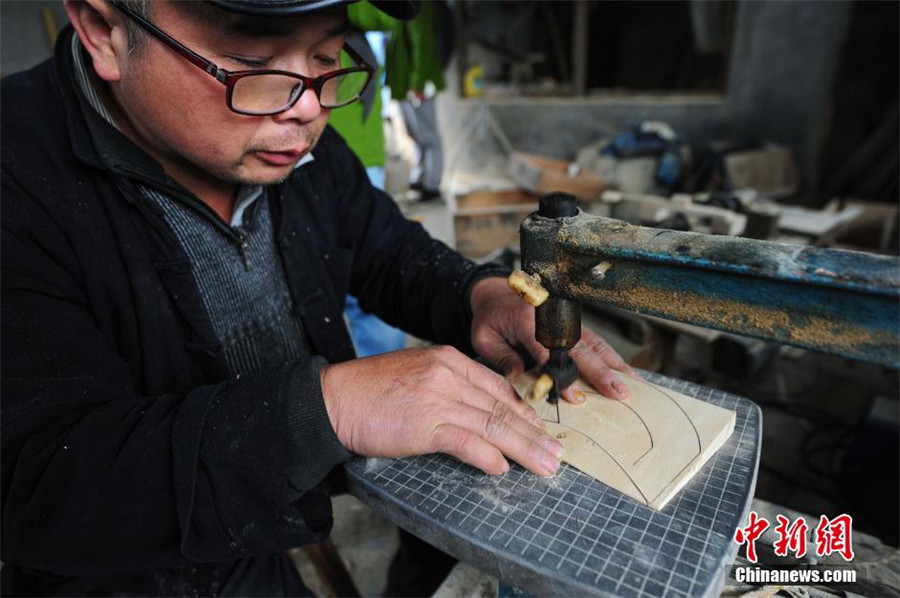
x: 572, y: 535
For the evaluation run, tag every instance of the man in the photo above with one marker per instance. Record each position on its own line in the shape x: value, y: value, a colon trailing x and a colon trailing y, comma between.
x: 178, y: 238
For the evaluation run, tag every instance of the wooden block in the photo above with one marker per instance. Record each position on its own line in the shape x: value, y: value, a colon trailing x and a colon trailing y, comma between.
x: 647, y: 446
x: 484, y: 221
x: 479, y: 234
x: 541, y: 175
x: 494, y: 199
x: 771, y: 170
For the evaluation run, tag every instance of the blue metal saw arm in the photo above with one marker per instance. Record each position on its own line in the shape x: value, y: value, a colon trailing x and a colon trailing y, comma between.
x: 841, y: 302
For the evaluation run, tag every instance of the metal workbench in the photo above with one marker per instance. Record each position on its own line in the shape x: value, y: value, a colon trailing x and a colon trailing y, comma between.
x: 572, y: 535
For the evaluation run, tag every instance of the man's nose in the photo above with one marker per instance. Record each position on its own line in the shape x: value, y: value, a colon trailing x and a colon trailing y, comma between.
x: 305, y: 109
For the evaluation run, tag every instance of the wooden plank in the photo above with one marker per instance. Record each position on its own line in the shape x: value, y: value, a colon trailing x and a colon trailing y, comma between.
x: 478, y: 234
x: 485, y: 199
x: 540, y: 174
x: 486, y: 220
x: 647, y: 446
x: 331, y: 570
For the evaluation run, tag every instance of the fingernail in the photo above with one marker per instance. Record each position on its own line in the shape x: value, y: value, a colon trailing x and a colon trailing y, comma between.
x: 575, y: 395
x: 504, y: 469
x: 552, y: 446
x: 549, y: 464
x: 620, y: 388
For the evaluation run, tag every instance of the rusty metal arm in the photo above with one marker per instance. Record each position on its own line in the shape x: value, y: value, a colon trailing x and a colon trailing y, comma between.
x: 841, y: 302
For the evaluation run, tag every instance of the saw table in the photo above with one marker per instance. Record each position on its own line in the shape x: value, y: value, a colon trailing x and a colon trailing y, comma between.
x: 570, y: 534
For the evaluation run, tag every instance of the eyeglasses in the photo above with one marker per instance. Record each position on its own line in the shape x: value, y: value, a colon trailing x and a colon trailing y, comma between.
x: 265, y: 92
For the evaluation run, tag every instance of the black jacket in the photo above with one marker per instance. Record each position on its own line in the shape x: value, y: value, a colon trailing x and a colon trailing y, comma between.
x: 131, y: 461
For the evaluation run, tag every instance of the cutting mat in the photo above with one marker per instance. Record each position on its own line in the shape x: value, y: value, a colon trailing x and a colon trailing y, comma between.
x: 572, y: 535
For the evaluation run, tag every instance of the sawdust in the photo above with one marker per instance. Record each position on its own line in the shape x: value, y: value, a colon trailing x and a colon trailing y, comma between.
x: 375, y: 465
x: 713, y: 311
x: 488, y: 488
x: 502, y: 493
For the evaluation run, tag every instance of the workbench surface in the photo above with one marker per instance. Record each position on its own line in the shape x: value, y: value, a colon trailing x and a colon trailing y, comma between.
x: 572, y: 535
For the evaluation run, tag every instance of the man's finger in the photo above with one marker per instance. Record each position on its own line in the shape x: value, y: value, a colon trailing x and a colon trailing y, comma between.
x: 515, y: 371
x: 528, y: 445
x: 606, y: 382
x: 484, y: 398
x: 505, y: 360
x: 538, y: 352
x: 495, y: 385
x: 469, y: 448
x: 602, y: 349
x: 574, y: 394
x: 594, y: 357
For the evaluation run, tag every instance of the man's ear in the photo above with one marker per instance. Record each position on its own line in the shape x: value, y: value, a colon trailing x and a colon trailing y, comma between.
x: 103, y: 34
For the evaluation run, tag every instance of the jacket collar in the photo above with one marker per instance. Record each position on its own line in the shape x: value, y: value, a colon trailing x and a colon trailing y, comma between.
x: 96, y: 141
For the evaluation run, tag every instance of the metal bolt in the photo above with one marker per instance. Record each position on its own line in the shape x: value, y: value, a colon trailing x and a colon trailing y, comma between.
x: 599, y: 271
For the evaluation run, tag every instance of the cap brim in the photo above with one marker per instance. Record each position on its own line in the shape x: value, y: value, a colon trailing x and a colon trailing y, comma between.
x: 403, y: 10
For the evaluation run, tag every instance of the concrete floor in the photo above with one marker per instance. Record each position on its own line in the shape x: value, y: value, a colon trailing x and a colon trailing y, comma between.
x: 366, y: 543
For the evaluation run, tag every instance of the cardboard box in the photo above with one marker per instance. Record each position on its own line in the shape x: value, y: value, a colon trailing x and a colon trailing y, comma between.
x: 875, y: 228
x: 634, y: 175
x: 484, y: 221
x: 772, y: 171
x: 542, y: 175
x: 649, y: 209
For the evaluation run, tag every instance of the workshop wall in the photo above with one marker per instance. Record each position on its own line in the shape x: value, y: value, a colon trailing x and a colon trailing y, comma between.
x: 782, y: 69
x: 784, y: 64
x: 24, y: 39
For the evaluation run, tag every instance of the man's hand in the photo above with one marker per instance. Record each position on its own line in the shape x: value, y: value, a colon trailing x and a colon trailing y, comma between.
x: 435, y: 399
x: 502, y: 323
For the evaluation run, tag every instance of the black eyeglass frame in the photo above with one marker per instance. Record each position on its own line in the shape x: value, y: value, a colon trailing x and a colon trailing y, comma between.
x: 230, y: 78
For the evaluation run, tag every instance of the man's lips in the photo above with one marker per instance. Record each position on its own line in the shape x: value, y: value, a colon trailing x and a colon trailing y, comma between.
x: 279, y: 158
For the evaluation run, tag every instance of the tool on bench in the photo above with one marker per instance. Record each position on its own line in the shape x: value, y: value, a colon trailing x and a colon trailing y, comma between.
x: 558, y: 320
x: 572, y: 535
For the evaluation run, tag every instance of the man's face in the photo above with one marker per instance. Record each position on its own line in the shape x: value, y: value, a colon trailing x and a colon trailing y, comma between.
x: 178, y: 113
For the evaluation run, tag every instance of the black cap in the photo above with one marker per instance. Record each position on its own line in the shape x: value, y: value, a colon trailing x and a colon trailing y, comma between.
x: 399, y: 9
